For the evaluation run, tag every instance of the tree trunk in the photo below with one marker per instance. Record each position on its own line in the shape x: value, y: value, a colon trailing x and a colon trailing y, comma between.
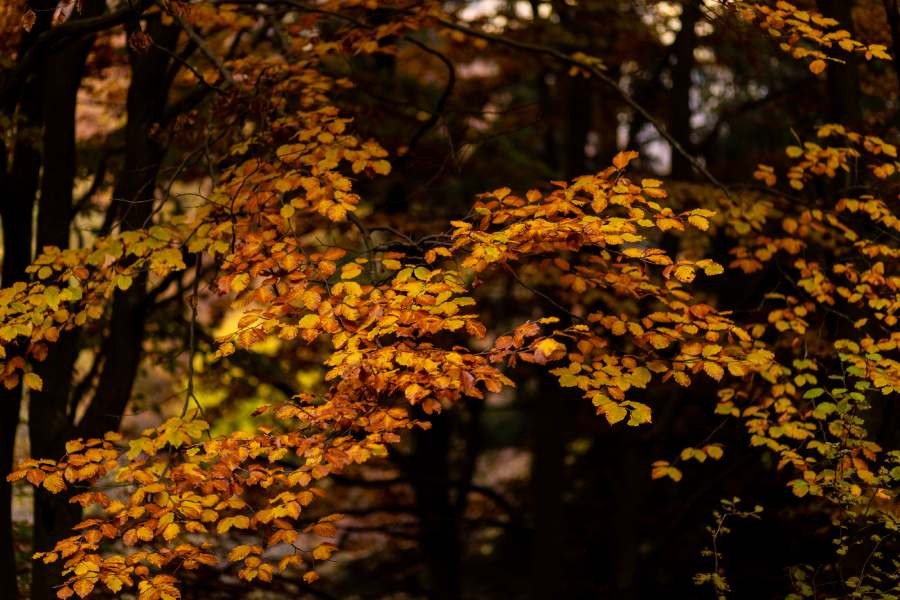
x: 683, y: 52
x: 893, y: 15
x: 843, y: 78
x: 550, y: 418
x: 20, y: 182
x: 54, y: 515
x: 134, y: 192
x: 16, y: 214
x: 429, y: 473
x: 147, y: 95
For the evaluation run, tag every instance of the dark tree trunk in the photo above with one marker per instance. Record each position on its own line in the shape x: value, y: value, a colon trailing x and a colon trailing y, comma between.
x: 133, y: 194
x: 429, y: 473
x: 578, y: 122
x: 683, y: 53
x: 49, y: 409
x: 550, y: 419
x: 16, y: 211
x: 892, y: 9
x: 54, y: 515
x: 843, y: 78
x: 19, y: 181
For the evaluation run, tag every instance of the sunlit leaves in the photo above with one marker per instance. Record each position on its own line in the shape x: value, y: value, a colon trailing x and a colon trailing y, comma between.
x: 662, y: 468
x: 807, y: 34
x: 33, y: 381
x: 397, y: 330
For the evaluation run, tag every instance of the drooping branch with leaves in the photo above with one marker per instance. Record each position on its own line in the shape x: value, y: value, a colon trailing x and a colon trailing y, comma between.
x: 261, y: 223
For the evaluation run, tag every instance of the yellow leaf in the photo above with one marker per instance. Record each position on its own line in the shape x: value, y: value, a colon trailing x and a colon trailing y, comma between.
x: 700, y: 223
x: 640, y: 377
x: 548, y: 350
x: 711, y: 350
x: 662, y: 468
x: 715, y: 452
x: 736, y: 369
x: 113, y: 583
x: 684, y: 273
x: 123, y: 282
x: 681, y: 378
x: 239, y: 552
x: 83, y: 587
x: 324, y: 530
x: 241, y: 522
x: 33, y: 381
x: 240, y: 282
x: 640, y: 414
x: 308, y: 321
x: 611, y: 410
x: 171, y: 531
x: 350, y: 270
x: 323, y: 552
x: 713, y: 268
x: 621, y: 160
x: 54, y: 483
x: 714, y: 370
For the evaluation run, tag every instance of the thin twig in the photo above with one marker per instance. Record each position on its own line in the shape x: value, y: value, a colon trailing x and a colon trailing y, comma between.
x: 192, y: 341
x: 195, y: 37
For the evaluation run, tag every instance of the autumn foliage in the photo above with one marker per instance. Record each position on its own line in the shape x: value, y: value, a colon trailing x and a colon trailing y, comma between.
x: 255, y: 211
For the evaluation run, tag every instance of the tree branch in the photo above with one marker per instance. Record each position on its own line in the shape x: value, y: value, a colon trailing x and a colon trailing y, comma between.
x: 598, y: 73
x: 201, y: 43
x: 59, y: 33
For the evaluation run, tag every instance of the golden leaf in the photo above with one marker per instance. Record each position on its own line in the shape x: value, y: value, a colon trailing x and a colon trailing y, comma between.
x: 714, y: 370
x: 239, y: 553
x: 350, y: 270
x: 171, y: 531
x: 548, y: 350
x: 123, y: 282
x: 83, y: 587
x: 240, y: 282
x: 323, y: 552
x: 684, y: 273
x: 33, y: 381
x: 54, y: 483
x: 621, y: 160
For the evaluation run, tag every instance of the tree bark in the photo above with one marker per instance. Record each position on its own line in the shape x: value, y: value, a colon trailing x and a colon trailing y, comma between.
x: 54, y: 515
x: 550, y: 423
x: 147, y: 95
x: 19, y: 180
x: 429, y: 473
x: 843, y: 78
x: 893, y: 15
x: 133, y: 202
x: 683, y: 52
x: 20, y: 183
